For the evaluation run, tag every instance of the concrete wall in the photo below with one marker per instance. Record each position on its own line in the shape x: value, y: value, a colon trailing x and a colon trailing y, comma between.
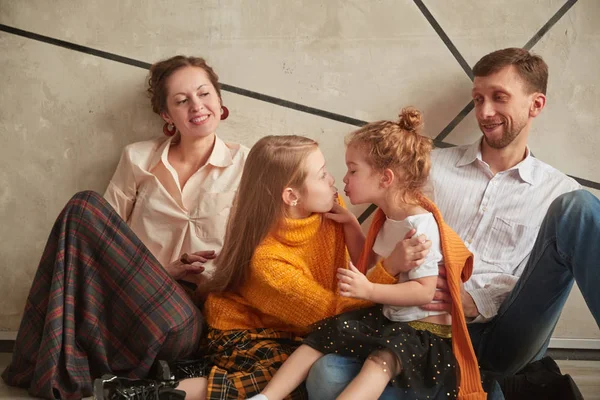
x: 65, y: 114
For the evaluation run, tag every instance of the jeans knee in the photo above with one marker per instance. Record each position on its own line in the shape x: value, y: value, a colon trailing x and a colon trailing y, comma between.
x: 330, y: 375
x: 578, y: 202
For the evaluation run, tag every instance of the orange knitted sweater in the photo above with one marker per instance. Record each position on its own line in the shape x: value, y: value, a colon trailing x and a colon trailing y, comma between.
x: 459, y: 265
x: 292, y: 281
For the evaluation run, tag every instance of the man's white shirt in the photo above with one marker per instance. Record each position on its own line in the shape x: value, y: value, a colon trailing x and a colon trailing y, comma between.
x: 497, y: 216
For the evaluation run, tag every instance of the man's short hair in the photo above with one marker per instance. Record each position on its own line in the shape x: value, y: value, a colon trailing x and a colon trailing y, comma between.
x: 530, y: 67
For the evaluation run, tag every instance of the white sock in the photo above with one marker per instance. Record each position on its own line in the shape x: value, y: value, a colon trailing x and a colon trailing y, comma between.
x: 259, y: 397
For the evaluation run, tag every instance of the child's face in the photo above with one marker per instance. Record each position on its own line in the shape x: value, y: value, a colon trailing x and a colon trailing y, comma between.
x: 362, y: 181
x: 318, y: 193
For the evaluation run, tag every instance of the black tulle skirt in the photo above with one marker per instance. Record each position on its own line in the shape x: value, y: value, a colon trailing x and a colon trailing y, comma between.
x: 428, y: 364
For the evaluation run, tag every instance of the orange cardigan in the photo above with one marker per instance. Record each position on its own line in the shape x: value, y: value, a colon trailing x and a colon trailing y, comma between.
x: 459, y: 265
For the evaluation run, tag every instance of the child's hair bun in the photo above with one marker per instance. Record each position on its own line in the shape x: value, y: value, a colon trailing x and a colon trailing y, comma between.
x: 410, y: 120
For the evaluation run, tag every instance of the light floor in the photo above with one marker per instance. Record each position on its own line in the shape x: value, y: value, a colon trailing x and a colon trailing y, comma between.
x: 585, y: 373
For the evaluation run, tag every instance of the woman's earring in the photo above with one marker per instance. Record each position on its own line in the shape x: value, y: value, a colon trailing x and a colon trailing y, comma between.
x: 294, y: 203
x: 224, y: 112
x: 169, y: 129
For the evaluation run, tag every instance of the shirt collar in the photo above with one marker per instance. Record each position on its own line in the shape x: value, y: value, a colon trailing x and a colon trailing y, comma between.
x: 161, y: 151
x: 219, y: 157
x: 524, y: 168
x: 472, y: 153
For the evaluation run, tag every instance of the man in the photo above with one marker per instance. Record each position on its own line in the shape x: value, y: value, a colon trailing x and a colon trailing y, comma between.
x: 499, y: 199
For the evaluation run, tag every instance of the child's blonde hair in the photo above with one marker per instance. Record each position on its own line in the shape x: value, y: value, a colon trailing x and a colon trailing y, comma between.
x: 398, y: 146
x: 273, y: 164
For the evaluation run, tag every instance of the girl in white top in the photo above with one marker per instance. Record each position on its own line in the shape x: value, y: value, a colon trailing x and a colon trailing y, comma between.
x: 388, y: 165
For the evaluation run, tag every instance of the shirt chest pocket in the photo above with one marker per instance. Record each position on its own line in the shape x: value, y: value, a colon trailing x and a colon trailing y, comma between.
x: 508, y: 242
x: 211, y: 216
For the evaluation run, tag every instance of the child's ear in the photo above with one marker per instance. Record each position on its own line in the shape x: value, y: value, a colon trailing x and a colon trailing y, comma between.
x: 387, y: 178
x: 290, y: 197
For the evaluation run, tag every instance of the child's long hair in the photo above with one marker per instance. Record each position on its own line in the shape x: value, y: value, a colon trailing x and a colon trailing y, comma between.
x: 274, y: 163
x: 400, y: 147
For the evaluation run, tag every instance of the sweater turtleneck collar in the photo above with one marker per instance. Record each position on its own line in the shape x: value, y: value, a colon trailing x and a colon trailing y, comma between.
x: 296, y: 232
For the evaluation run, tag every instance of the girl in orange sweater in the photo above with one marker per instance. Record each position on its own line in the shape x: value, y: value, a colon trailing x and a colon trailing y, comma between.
x: 388, y: 165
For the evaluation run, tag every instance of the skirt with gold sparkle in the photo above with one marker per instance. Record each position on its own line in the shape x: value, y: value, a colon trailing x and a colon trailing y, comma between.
x: 424, y: 349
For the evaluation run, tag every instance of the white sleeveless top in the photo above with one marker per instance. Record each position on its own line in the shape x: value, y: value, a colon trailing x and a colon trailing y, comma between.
x: 390, y: 234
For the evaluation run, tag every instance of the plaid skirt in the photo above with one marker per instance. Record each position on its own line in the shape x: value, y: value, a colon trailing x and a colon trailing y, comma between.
x: 99, y: 303
x: 244, y: 361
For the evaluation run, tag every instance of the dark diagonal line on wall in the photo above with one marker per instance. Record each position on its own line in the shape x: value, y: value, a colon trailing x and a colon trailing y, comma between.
x: 450, y: 127
x: 75, y: 47
x: 438, y: 29
x: 461, y: 61
x: 141, y: 64
x: 553, y: 20
x: 294, y: 106
x: 586, y: 183
x: 365, y: 214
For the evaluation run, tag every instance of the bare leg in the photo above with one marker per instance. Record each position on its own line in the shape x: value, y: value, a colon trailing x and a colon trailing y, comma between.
x: 194, y: 388
x: 292, y: 373
x: 378, y: 369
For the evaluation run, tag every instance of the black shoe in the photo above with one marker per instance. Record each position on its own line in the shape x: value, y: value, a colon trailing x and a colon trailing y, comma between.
x: 540, y: 380
x: 161, y: 371
x: 178, y: 370
x: 111, y: 387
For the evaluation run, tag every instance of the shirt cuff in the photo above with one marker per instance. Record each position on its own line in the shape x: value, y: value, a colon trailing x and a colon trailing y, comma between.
x: 485, y: 305
x: 378, y: 274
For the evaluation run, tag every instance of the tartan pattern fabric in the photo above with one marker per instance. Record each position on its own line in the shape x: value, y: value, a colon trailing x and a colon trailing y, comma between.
x: 99, y: 303
x: 245, y: 360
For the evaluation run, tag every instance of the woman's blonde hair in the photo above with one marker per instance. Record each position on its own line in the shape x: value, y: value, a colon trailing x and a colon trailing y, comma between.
x: 398, y: 146
x: 273, y: 164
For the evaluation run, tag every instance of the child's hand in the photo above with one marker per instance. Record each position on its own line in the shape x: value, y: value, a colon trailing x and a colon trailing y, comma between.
x: 352, y: 283
x: 340, y: 214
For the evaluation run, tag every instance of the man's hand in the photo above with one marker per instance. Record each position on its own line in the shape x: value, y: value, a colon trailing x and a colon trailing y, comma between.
x: 189, y: 264
x: 442, y: 295
x: 341, y: 215
x: 352, y: 283
x: 409, y: 253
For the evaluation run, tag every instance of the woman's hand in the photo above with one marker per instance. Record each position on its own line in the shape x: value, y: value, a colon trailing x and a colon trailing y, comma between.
x: 189, y: 264
x: 408, y: 253
x: 352, y: 283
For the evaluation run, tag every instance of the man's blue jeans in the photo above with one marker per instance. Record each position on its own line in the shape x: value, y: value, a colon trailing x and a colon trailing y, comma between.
x: 567, y: 249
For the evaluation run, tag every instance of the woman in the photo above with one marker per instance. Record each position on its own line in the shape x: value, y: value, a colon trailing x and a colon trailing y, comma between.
x: 104, y: 298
